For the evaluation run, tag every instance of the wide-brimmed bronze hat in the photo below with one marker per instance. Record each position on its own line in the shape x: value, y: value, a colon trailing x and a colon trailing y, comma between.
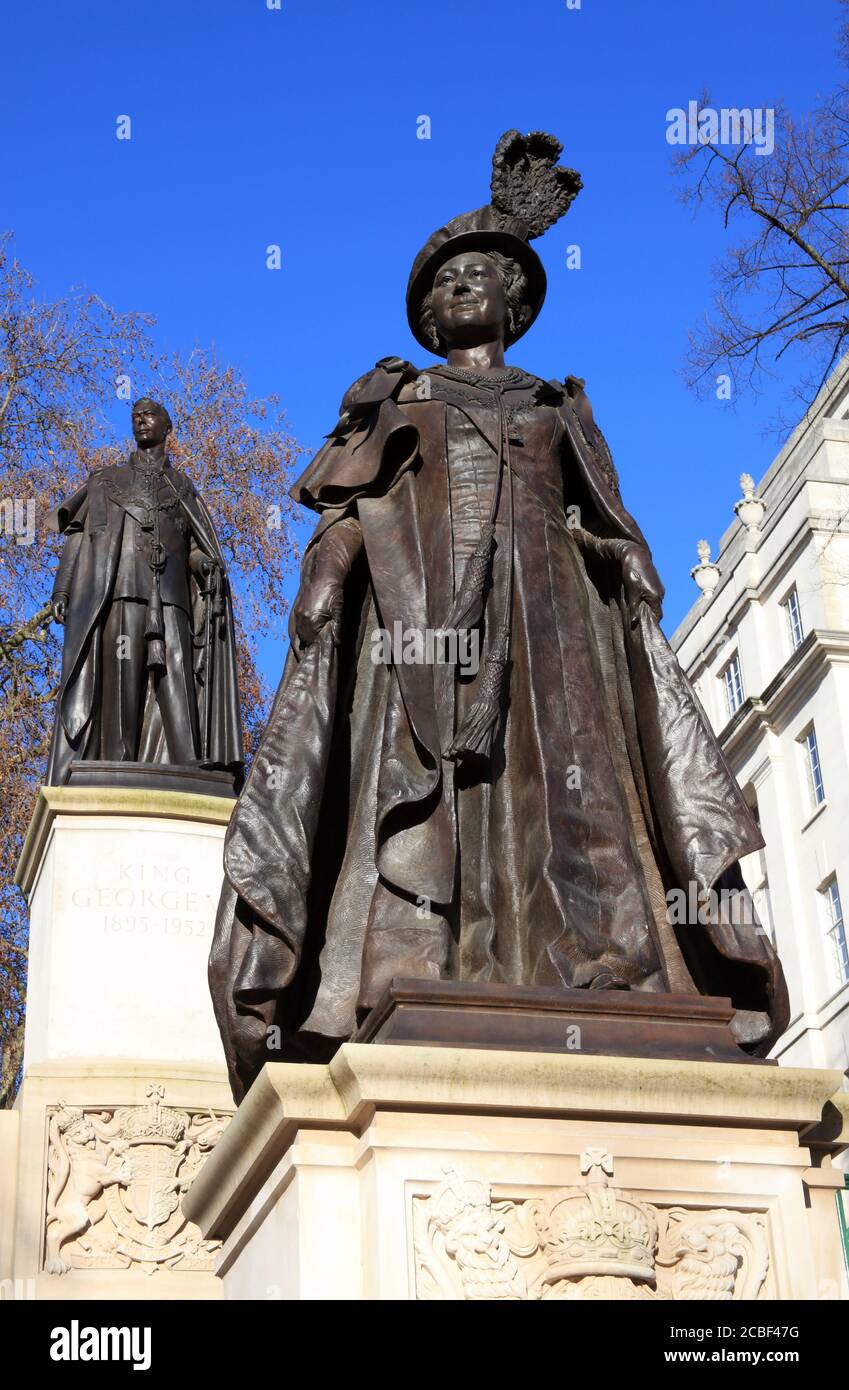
x: 530, y: 192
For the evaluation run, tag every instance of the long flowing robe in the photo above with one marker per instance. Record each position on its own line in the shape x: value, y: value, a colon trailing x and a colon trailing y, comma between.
x: 358, y: 851
x: 94, y: 522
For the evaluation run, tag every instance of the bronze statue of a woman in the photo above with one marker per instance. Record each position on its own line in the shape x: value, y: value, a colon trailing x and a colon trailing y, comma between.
x: 522, y: 822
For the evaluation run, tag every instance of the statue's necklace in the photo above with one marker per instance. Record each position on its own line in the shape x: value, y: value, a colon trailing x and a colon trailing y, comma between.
x: 508, y: 376
x: 149, y: 468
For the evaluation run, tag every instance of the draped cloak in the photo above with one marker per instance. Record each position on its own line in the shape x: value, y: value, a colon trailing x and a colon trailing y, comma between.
x: 345, y: 854
x: 93, y: 522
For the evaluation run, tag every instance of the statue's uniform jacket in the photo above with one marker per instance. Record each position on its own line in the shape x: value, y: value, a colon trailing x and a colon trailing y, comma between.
x: 136, y: 492
x: 107, y: 707
x: 373, y: 855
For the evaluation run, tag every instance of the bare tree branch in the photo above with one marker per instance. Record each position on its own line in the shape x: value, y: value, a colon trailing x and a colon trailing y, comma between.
x: 785, y: 284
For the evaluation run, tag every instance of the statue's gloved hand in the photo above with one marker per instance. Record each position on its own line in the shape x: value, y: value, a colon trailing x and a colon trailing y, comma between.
x: 59, y: 607
x: 641, y: 582
x: 640, y: 579
x: 321, y: 597
x: 321, y: 601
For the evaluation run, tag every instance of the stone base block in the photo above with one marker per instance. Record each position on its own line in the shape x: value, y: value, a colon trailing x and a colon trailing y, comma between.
x: 443, y: 1173
x: 194, y: 778
x: 530, y: 1018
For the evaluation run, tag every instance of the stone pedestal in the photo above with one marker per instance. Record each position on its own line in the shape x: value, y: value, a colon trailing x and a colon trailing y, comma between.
x: 124, y: 1092
x: 123, y: 885
x: 422, y: 1172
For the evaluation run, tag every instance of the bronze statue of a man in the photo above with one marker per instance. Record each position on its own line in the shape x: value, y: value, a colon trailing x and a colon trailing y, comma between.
x: 520, y: 823
x: 148, y: 662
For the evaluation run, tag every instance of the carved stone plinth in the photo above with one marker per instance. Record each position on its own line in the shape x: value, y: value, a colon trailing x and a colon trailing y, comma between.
x: 124, y: 1094
x: 442, y: 1173
x: 122, y: 884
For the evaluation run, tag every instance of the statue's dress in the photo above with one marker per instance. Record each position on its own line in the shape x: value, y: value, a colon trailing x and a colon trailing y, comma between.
x: 360, y: 850
x: 550, y: 883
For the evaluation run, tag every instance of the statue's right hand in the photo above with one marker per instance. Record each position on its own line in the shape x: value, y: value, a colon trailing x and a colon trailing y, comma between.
x: 319, y: 602
x: 59, y: 605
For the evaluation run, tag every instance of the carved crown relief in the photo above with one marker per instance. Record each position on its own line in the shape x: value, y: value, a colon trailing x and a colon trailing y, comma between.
x: 595, y: 1241
x: 114, y: 1183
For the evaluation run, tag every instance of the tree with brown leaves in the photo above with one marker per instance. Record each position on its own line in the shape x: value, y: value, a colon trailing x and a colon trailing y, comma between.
x: 64, y: 367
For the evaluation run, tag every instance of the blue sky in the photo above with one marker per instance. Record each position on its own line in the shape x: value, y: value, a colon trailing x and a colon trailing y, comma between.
x: 297, y: 126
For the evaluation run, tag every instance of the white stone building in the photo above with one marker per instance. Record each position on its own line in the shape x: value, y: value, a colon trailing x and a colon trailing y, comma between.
x: 766, y: 646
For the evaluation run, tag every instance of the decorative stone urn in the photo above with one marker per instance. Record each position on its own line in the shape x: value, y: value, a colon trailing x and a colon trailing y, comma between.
x: 750, y: 509
x: 705, y: 573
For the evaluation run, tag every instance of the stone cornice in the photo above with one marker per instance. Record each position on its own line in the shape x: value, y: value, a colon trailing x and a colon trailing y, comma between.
x: 735, y: 545
x: 801, y: 671
x: 111, y: 801
x: 364, y: 1078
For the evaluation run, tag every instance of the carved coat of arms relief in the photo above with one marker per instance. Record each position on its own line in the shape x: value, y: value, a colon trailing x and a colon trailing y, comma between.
x: 115, y: 1179
x: 596, y: 1241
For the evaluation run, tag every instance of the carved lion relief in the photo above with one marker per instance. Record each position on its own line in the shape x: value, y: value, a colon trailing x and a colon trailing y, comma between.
x: 114, y: 1183
x: 595, y: 1241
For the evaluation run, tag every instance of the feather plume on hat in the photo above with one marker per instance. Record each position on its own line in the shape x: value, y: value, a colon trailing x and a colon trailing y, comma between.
x: 530, y: 191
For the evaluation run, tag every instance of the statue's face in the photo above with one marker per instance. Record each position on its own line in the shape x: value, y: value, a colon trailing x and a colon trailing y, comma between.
x: 150, y: 424
x: 468, y: 301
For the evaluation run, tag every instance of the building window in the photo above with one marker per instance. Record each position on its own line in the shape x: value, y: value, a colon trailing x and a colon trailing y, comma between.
x: 836, y: 930
x: 813, y: 768
x: 733, y: 677
x: 794, y: 620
